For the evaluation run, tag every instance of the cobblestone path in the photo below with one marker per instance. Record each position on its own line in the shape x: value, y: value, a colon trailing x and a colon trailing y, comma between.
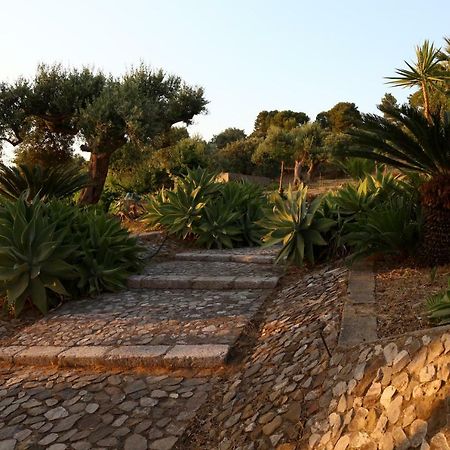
x: 61, y: 409
x: 267, y: 403
x: 55, y: 407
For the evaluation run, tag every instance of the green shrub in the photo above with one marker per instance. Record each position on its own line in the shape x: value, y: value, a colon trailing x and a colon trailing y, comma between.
x: 33, y: 255
x: 367, y: 208
x: 296, y: 224
x: 438, y: 307
x: 356, y: 168
x: 55, y: 182
x: 54, y: 249
x: 107, y: 254
x: 392, y: 227
x: 211, y: 213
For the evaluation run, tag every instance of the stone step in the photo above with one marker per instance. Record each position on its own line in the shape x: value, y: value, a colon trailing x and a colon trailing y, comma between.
x: 202, y: 356
x: 225, y: 257
x: 201, y: 282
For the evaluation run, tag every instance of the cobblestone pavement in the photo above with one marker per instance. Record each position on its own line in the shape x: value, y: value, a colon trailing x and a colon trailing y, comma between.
x: 211, y: 268
x: 263, y: 403
x: 146, y: 317
x: 78, y: 410
x: 266, y: 404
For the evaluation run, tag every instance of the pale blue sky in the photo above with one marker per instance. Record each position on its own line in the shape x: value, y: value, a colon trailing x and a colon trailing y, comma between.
x: 248, y: 55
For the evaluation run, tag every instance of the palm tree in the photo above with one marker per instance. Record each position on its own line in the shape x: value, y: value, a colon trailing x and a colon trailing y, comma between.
x: 405, y: 139
x: 427, y: 73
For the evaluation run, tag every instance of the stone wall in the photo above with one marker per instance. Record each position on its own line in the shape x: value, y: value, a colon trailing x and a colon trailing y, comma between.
x: 391, y: 394
x: 225, y: 177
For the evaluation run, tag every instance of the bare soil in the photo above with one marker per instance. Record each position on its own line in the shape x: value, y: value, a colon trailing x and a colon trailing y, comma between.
x: 401, y: 291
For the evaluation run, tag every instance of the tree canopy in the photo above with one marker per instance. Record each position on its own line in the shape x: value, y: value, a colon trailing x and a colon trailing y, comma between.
x: 105, y: 113
x: 281, y: 119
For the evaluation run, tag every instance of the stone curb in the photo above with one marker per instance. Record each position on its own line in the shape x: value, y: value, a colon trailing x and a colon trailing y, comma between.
x: 359, y: 322
x: 223, y: 257
x: 201, y: 356
x: 200, y: 282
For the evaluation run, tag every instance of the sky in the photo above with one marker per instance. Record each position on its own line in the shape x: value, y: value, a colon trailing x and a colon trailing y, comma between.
x: 248, y: 55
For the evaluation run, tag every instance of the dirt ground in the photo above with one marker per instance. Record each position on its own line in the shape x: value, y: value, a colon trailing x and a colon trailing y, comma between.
x: 401, y: 291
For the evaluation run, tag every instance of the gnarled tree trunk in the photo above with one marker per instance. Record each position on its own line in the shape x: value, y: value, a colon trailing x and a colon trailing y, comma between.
x: 98, y: 170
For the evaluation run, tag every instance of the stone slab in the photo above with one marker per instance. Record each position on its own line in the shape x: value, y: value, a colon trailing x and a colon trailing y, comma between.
x: 7, y: 353
x: 167, y: 282
x: 256, y: 282
x: 135, y: 281
x: 198, y: 256
x: 39, y: 355
x: 357, y: 326
x: 198, y: 356
x: 130, y: 356
x: 213, y: 282
x: 361, y: 286
x: 83, y: 356
x: 225, y: 257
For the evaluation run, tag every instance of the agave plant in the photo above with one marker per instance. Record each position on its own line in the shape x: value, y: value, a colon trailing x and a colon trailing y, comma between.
x: 356, y: 168
x: 438, y: 307
x: 218, y: 226
x: 179, y: 211
x: 107, y: 253
x: 54, y: 182
x: 33, y: 255
x: 296, y: 224
x: 247, y: 199
x: 412, y: 143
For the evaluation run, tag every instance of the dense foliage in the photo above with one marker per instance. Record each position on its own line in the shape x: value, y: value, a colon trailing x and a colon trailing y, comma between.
x: 211, y: 213
x: 49, y: 251
x: 297, y: 225
x: 53, y: 182
x: 58, y: 107
x: 438, y: 307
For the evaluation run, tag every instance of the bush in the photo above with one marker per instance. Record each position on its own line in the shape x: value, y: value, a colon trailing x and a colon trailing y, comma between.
x: 33, y: 256
x: 366, y: 220
x: 53, y: 250
x: 438, y: 307
x: 211, y: 213
x: 54, y: 182
x: 391, y: 228
x: 296, y: 224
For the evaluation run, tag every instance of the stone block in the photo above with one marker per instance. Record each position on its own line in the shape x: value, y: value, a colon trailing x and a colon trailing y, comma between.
x: 83, y: 356
x: 253, y: 259
x: 167, y: 282
x: 198, y: 356
x: 7, y: 353
x: 39, y: 355
x: 256, y: 282
x: 213, y: 282
x: 129, y: 356
x: 134, y: 281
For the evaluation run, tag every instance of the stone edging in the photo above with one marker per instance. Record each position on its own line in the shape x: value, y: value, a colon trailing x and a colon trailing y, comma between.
x: 200, y: 282
x: 123, y: 357
x: 225, y: 257
x: 359, y: 321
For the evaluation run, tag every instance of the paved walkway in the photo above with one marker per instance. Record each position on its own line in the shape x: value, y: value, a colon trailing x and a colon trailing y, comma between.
x: 267, y: 403
x: 62, y: 409
x: 93, y: 400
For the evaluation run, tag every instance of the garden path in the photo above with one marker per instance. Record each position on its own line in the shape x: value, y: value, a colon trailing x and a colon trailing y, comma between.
x: 179, y: 336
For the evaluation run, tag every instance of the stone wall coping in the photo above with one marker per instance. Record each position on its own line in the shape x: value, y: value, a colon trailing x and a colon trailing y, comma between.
x: 123, y: 357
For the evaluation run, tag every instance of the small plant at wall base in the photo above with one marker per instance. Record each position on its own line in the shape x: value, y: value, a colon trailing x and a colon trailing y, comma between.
x: 438, y: 307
